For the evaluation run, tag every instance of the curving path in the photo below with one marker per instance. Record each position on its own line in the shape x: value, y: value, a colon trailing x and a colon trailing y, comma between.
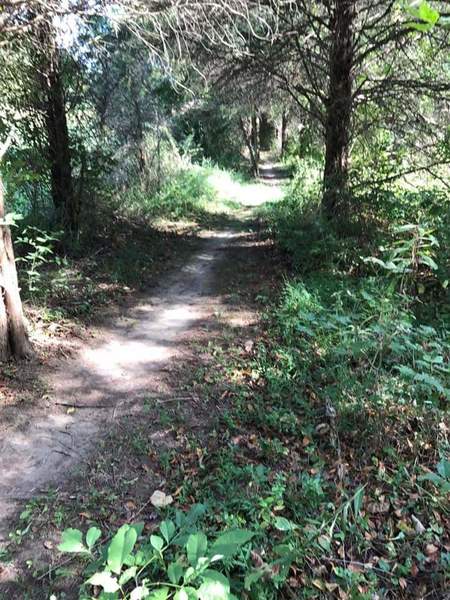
x: 110, y: 376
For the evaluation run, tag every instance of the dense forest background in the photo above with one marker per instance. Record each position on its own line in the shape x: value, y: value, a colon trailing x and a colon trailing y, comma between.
x: 125, y: 128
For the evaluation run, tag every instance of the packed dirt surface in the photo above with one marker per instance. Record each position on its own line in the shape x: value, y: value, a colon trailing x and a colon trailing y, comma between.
x: 274, y: 173
x: 110, y: 376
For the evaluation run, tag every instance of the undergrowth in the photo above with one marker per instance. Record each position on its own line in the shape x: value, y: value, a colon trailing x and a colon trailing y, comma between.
x: 193, y: 194
x: 330, y: 440
x: 125, y: 242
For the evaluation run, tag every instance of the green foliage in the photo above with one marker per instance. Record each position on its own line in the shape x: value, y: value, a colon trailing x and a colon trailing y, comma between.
x: 362, y: 341
x: 440, y: 478
x: 180, y: 563
x: 426, y: 15
x: 413, y: 252
x: 357, y: 333
x: 304, y: 146
x: 36, y: 252
x: 190, y: 194
x: 356, y: 351
x: 211, y: 130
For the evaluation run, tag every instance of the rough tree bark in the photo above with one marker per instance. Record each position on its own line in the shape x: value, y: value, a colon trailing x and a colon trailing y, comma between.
x: 248, y: 138
x: 14, y: 342
x: 65, y: 200
x: 339, y: 108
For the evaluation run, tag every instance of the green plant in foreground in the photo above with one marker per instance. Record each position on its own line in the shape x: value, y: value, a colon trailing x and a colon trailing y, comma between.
x: 178, y: 563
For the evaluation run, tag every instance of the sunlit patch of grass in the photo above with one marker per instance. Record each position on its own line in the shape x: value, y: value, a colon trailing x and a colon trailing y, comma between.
x: 241, y: 191
x: 200, y: 195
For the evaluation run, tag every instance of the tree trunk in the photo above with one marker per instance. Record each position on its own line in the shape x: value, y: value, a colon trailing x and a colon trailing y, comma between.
x: 14, y: 340
x: 254, y: 137
x: 339, y: 109
x: 283, y: 133
x: 248, y: 142
x: 139, y: 136
x: 65, y: 200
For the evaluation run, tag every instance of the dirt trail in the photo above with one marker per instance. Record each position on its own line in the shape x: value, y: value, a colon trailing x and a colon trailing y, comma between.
x: 274, y: 173
x: 118, y: 370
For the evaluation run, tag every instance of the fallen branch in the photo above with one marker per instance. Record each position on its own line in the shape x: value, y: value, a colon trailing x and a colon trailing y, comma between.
x: 68, y: 405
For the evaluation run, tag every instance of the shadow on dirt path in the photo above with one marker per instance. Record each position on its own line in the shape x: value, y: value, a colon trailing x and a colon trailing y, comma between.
x: 104, y: 422
x: 111, y: 374
x: 273, y: 173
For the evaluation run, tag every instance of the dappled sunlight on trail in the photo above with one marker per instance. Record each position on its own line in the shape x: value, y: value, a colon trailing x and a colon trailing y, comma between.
x: 110, y: 376
x: 248, y: 194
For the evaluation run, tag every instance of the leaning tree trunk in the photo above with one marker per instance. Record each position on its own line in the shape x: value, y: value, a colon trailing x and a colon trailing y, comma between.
x: 65, y: 200
x: 14, y: 342
x: 339, y: 108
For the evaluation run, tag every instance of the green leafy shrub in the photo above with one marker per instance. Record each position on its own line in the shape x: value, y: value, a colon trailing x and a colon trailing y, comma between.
x: 178, y: 562
x: 362, y: 342
x: 36, y: 248
x: 414, y: 250
x: 189, y: 194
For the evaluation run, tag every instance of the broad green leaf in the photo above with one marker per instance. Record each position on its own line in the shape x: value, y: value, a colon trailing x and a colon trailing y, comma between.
x: 215, y: 586
x: 189, y: 574
x: 434, y: 478
x: 443, y: 468
x: 121, y: 547
x: 324, y: 542
x: 194, y: 514
x: 283, y: 524
x: 427, y: 260
x: 196, y: 547
x: 376, y: 261
x: 92, y: 536
x: 428, y: 13
x: 229, y: 543
x: 138, y: 528
x: 127, y: 575
x: 181, y: 595
x: 157, y: 542
x: 408, y: 226
x: 159, y: 594
x: 167, y: 529
x: 175, y: 572
x: 106, y: 581
x: 72, y: 541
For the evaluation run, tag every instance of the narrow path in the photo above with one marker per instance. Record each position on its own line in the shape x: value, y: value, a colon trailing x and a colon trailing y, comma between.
x: 118, y: 370
x: 273, y: 172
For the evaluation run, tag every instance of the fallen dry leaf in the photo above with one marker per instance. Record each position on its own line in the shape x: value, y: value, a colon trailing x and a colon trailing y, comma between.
x: 160, y: 499
x: 430, y: 549
x: 249, y: 345
x: 417, y: 525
